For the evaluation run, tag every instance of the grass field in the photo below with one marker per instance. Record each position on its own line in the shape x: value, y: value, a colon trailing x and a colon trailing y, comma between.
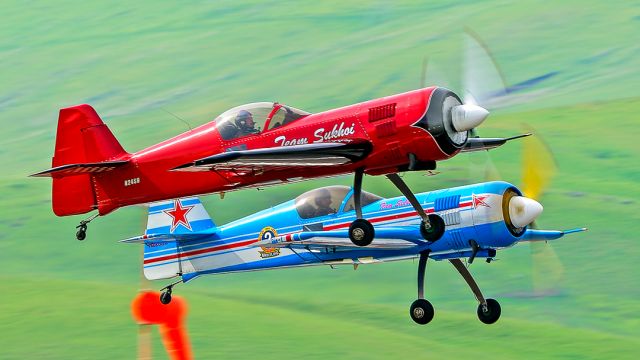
x: 64, y: 299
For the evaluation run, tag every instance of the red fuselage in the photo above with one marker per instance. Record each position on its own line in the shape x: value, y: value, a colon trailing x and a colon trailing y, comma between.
x: 390, y: 124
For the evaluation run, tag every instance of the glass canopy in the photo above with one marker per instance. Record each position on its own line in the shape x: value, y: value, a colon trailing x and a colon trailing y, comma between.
x: 255, y: 118
x: 328, y: 200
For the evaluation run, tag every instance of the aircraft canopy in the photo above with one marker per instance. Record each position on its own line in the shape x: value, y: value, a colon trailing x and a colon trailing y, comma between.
x: 330, y: 200
x: 255, y: 118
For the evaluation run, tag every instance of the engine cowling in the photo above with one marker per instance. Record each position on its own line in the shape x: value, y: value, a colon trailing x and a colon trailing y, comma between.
x: 449, y: 121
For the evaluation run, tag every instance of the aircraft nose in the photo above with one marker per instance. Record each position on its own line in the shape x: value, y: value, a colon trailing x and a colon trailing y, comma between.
x: 468, y: 116
x: 523, y: 211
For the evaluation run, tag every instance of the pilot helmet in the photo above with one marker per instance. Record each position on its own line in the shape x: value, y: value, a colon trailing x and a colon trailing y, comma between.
x: 244, y: 120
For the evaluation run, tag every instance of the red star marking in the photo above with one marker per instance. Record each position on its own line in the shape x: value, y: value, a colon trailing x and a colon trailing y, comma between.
x: 479, y: 201
x: 179, y: 215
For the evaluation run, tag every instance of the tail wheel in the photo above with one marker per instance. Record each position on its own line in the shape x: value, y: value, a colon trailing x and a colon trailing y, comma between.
x: 361, y: 232
x: 81, y: 234
x: 492, y: 312
x: 165, y: 297
x: 421, y: 311
x: 435, y: 231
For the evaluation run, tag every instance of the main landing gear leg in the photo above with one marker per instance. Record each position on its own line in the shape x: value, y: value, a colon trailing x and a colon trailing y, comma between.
x: 432, y: 226
x: 81, y: 234
x: 421, y: 310
x: 488, y: 309
x: 165, y: 295
x: 361, y: 231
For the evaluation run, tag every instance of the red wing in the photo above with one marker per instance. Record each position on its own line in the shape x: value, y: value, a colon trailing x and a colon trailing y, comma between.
x: 308, y: 155
x: 479, y: 144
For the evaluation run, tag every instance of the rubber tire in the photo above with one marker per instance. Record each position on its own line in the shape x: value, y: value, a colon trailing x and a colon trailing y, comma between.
x: 437, y: 228
x: 493, y: 313
x: 368, y: 232
x: 421, y: 317
x: 81, y: 234
x: 165, y: 297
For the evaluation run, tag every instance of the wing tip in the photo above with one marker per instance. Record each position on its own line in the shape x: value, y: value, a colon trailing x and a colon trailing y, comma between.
x: 576, y: 230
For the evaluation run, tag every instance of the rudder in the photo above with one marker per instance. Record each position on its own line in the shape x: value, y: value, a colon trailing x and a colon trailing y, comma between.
x: 81, y: 138
x: 177, y: 219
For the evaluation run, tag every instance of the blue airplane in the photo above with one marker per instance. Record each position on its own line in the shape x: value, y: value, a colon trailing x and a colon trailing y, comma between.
x: 476, y: 221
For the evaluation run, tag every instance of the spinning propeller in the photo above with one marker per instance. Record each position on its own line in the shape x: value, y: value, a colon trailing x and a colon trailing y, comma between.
x: 484, y: 84
x: 539, y: 167
x: 484, y: 87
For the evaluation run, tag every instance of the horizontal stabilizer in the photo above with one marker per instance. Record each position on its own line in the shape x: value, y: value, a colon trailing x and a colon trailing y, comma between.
x: 307, y: 155
x: 78, y: 169
x: 478, y: 144
x: 163, y: 238
x: 546, y: 235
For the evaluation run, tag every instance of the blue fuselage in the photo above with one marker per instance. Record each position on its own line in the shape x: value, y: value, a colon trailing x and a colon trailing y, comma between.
x: 473, y: 212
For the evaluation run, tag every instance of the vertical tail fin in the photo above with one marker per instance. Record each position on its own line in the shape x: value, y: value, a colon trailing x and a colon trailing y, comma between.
x: 172, y: 218
x: 180, y: 216
x: 82, y: 138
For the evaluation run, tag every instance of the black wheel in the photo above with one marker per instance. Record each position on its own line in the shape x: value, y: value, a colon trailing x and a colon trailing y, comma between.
x: 436, y: 230
x: 492, y: 314
x: 81, y: 234
x: 421, y: 311
x: 361, y: 232
x: 165, y: 297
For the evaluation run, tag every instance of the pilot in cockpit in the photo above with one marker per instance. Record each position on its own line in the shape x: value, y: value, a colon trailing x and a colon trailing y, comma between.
x: 244, y: 122
x: 323, y: 203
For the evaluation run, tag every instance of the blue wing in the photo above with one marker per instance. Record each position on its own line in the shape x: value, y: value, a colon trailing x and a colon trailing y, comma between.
x: 386, y: 238
x: 163, y: 238
x: 546, y: 235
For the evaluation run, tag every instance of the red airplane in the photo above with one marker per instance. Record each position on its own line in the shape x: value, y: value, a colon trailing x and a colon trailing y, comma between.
x: 262, y: 144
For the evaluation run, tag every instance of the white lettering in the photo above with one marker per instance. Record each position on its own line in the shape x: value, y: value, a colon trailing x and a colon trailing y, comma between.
x: 133, y: 181
x: 338, y: 131
x: 320, y: 135
x: 284, y: 142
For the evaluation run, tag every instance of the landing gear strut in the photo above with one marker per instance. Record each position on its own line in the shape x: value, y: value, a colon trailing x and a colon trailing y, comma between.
x: 81, y: 234
x: 421, y: 310
x: 488, y: 309
x: 432, y: 226
x: 361, y: 231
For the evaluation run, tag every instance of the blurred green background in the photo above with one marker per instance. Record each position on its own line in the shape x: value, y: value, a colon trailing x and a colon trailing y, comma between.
x: 64, y: 299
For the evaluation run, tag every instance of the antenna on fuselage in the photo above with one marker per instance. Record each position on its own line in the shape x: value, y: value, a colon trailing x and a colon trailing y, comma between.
x: 177, y: 117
